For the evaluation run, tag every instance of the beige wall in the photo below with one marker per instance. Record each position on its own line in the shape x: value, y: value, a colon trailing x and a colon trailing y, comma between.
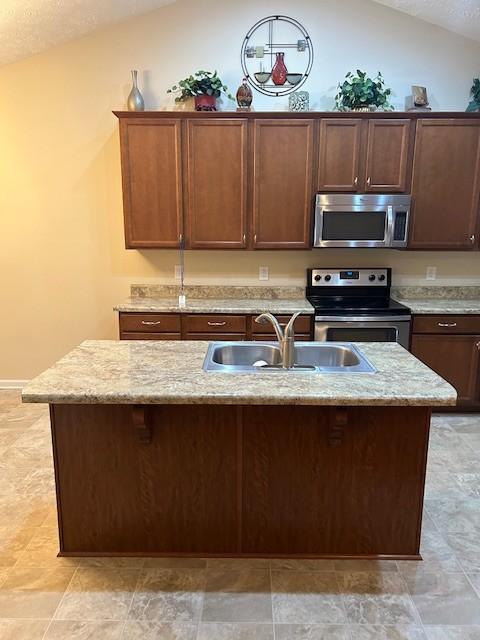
x: 62, y: 260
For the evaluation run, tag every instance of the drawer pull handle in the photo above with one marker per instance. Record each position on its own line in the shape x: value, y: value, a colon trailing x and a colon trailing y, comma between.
x: 368, y: 181
x: 447, y: 324
x: 355, y: 182
x: 477, y: 344
x: 216, y: 324
x: 150, y: 322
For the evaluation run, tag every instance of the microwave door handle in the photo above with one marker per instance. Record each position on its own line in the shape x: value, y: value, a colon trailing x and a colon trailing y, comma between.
x: 389, y: 226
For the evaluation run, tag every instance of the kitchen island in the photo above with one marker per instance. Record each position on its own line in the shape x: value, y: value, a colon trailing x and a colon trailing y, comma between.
x: 155, y: 456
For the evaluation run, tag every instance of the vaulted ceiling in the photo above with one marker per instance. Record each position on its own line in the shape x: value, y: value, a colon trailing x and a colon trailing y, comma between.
x: 460, y: 16
x: 31, y: 26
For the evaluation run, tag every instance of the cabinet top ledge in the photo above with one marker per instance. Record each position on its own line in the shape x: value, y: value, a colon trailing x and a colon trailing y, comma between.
x: 295, y: 115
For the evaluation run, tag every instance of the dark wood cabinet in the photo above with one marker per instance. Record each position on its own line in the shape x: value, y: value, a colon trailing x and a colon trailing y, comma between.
x: 388, y: 156
x: 282, y: 187
x: 339, y: 155
x: 216, y: 184
x: 364, y: 156
x: 152, y: 182
x: 450, y: 345
x: 446, y: 184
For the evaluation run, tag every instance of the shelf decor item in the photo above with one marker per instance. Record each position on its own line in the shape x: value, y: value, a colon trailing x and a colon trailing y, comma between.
x: 474, y: 104
x: 361, y: 93
x: 205, y: 87
x: 299, y: 101
x: 244, y: 96
x: 420, y: 99
x: 279, y: 42
x: 135, y: 100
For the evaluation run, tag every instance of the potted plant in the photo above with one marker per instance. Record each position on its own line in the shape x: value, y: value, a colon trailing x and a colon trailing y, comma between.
x: 361, y: 93
x: 474, y: 105
x: 205, y: 87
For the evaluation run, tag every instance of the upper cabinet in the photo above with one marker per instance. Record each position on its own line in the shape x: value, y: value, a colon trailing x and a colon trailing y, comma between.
x: 361, y: 156
x: 445, y: 187
x: 216, y: 184
x: 282, y: 184
x: 152, y: 182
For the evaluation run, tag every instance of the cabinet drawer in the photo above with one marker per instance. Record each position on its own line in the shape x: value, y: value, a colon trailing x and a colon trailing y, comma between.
x: 446, y: 324
x: 302, y: 325
x: 150, y: 322
x: 132, y: 335
x: 227, y: 337
x: 201, y: 323
x: 301, y: 337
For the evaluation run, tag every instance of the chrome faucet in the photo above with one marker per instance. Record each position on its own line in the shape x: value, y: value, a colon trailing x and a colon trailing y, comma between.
x: 286, y: 338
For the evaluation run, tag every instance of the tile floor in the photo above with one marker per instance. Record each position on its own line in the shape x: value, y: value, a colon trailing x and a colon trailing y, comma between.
x: 50, y: 598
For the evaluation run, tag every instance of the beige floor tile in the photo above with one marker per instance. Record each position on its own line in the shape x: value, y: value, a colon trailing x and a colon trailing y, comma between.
x: 452, y: 633
x: 451, y: 516
x: 377, y: 599
x: 237, y: 596
x: 13, y: 540
x: 42, y: 550
x: 444, y: 599
x: 9, y: 437
x: 111, y: 562
x: 75, y: 630
x: 235, y: 631
x: 169, y: 595
x: 23, y: 629
x: 474, y: 579
x: 175, y: 563
x: 29, y: 604
x: 384, y: 632
x: 306, y: 597
x: 285, y: 564
x: 98, y: 594
x: 44, y: 580
x: 238, y: 564
x: 370, y: 566
x: 145, y: 630
x: 311, y: 632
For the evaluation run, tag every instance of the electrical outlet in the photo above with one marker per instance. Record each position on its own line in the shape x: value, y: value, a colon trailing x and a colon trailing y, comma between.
x: 431, y: 273
x: 178, y: 272
x: 263, y: 273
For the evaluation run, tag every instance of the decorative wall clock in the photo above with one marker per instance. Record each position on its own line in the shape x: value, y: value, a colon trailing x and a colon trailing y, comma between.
x: 277, y: 55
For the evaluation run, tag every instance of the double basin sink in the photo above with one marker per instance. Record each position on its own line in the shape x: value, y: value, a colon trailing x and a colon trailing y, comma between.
x: 263, y: 357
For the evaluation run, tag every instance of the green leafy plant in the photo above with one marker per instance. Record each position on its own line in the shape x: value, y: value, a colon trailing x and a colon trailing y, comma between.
x: 474, y: 105
x: 360, y: 92
x: 202, y: 83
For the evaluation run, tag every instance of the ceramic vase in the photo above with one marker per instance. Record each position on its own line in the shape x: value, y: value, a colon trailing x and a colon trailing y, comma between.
x: 279, y: 71
x: 135, y: 101
x: 205, y: 103
x: 244, y: 96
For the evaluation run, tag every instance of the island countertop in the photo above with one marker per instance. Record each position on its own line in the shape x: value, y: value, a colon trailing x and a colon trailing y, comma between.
x: 170, y: 372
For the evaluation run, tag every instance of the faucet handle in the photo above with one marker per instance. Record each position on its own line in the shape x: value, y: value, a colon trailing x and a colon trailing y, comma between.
x: 289, y: 331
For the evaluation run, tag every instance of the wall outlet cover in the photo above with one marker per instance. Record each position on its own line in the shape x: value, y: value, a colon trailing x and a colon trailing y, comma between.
x: 431, y: 273
x: 263, y: 273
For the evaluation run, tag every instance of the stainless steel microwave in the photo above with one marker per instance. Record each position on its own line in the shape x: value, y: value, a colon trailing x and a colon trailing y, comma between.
x: 361, y: 220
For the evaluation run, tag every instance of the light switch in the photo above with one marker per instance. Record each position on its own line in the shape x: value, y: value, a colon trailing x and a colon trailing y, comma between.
x: 263, y: 273
x: 431, y: 273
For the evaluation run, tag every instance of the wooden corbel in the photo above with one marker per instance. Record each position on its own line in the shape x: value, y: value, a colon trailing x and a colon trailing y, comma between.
x: 141, y: 423
x: 338, y: 419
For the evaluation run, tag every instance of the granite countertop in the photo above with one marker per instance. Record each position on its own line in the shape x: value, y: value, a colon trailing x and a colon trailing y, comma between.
x: 215, y: 305
x: 170, y: 372
x: 441, y: 305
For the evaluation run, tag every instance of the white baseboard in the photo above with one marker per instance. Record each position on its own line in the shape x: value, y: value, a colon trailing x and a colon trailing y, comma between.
x: 12, y: 384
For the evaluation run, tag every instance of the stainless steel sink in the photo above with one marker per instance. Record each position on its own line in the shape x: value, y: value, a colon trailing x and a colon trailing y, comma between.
x: 313, y: 357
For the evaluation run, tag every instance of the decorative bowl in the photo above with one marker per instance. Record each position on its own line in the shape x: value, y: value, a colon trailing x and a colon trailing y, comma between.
x: 294, y: 78
x: 262, y: 76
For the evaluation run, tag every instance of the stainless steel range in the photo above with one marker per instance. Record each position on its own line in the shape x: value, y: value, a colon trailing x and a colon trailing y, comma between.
x: 354, y: 305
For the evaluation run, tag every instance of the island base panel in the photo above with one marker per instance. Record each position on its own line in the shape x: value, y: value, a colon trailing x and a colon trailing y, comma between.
x: 223, y: 480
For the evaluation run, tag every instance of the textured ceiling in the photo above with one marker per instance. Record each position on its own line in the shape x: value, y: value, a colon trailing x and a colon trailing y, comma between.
x: 461, y: 16
x: 31, y: 26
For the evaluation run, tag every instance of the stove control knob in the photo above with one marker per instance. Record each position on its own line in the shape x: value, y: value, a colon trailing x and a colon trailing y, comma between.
x: 317, y: 278
x: 328, y: 278
x: 381, y: 277
x: 371, y: 278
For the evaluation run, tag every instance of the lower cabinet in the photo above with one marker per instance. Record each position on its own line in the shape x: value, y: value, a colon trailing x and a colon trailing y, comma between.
x: 450, y: 345
x: 205, y: 326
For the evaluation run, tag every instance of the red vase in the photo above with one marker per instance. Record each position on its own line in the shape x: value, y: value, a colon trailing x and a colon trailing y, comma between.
x: 279, y: 71
x: 205, y: 103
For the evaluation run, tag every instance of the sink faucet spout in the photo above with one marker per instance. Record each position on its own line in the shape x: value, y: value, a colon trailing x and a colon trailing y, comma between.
x: 286, y: 339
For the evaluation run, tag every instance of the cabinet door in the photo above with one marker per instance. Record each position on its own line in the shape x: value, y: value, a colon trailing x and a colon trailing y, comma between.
x: 455, y: 358
x: 216, y: 184
x: 445, y: 185
x: 339, y: 155
x: 152, y: 184
x: 388, y: 162
x: 282, y: 195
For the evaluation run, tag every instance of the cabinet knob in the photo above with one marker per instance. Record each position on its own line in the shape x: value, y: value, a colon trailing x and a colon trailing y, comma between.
x: 244, y: 238
x: 477, y: 344
x: 368, y: 181
x: 472, y: 239
x: 255, y: 238
x: 355, y: 182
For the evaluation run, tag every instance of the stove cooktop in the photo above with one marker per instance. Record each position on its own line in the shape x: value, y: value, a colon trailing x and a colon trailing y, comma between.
x: 346, y: 305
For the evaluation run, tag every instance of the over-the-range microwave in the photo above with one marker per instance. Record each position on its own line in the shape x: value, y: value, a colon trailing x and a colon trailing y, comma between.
x: 361, y: 220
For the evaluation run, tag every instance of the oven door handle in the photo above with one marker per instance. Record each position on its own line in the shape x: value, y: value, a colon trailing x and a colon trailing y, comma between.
x: 366, y: 319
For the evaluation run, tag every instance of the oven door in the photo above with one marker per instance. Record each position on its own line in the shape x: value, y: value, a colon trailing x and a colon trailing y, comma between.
x: 353, y: 225
x: 363, y: 329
